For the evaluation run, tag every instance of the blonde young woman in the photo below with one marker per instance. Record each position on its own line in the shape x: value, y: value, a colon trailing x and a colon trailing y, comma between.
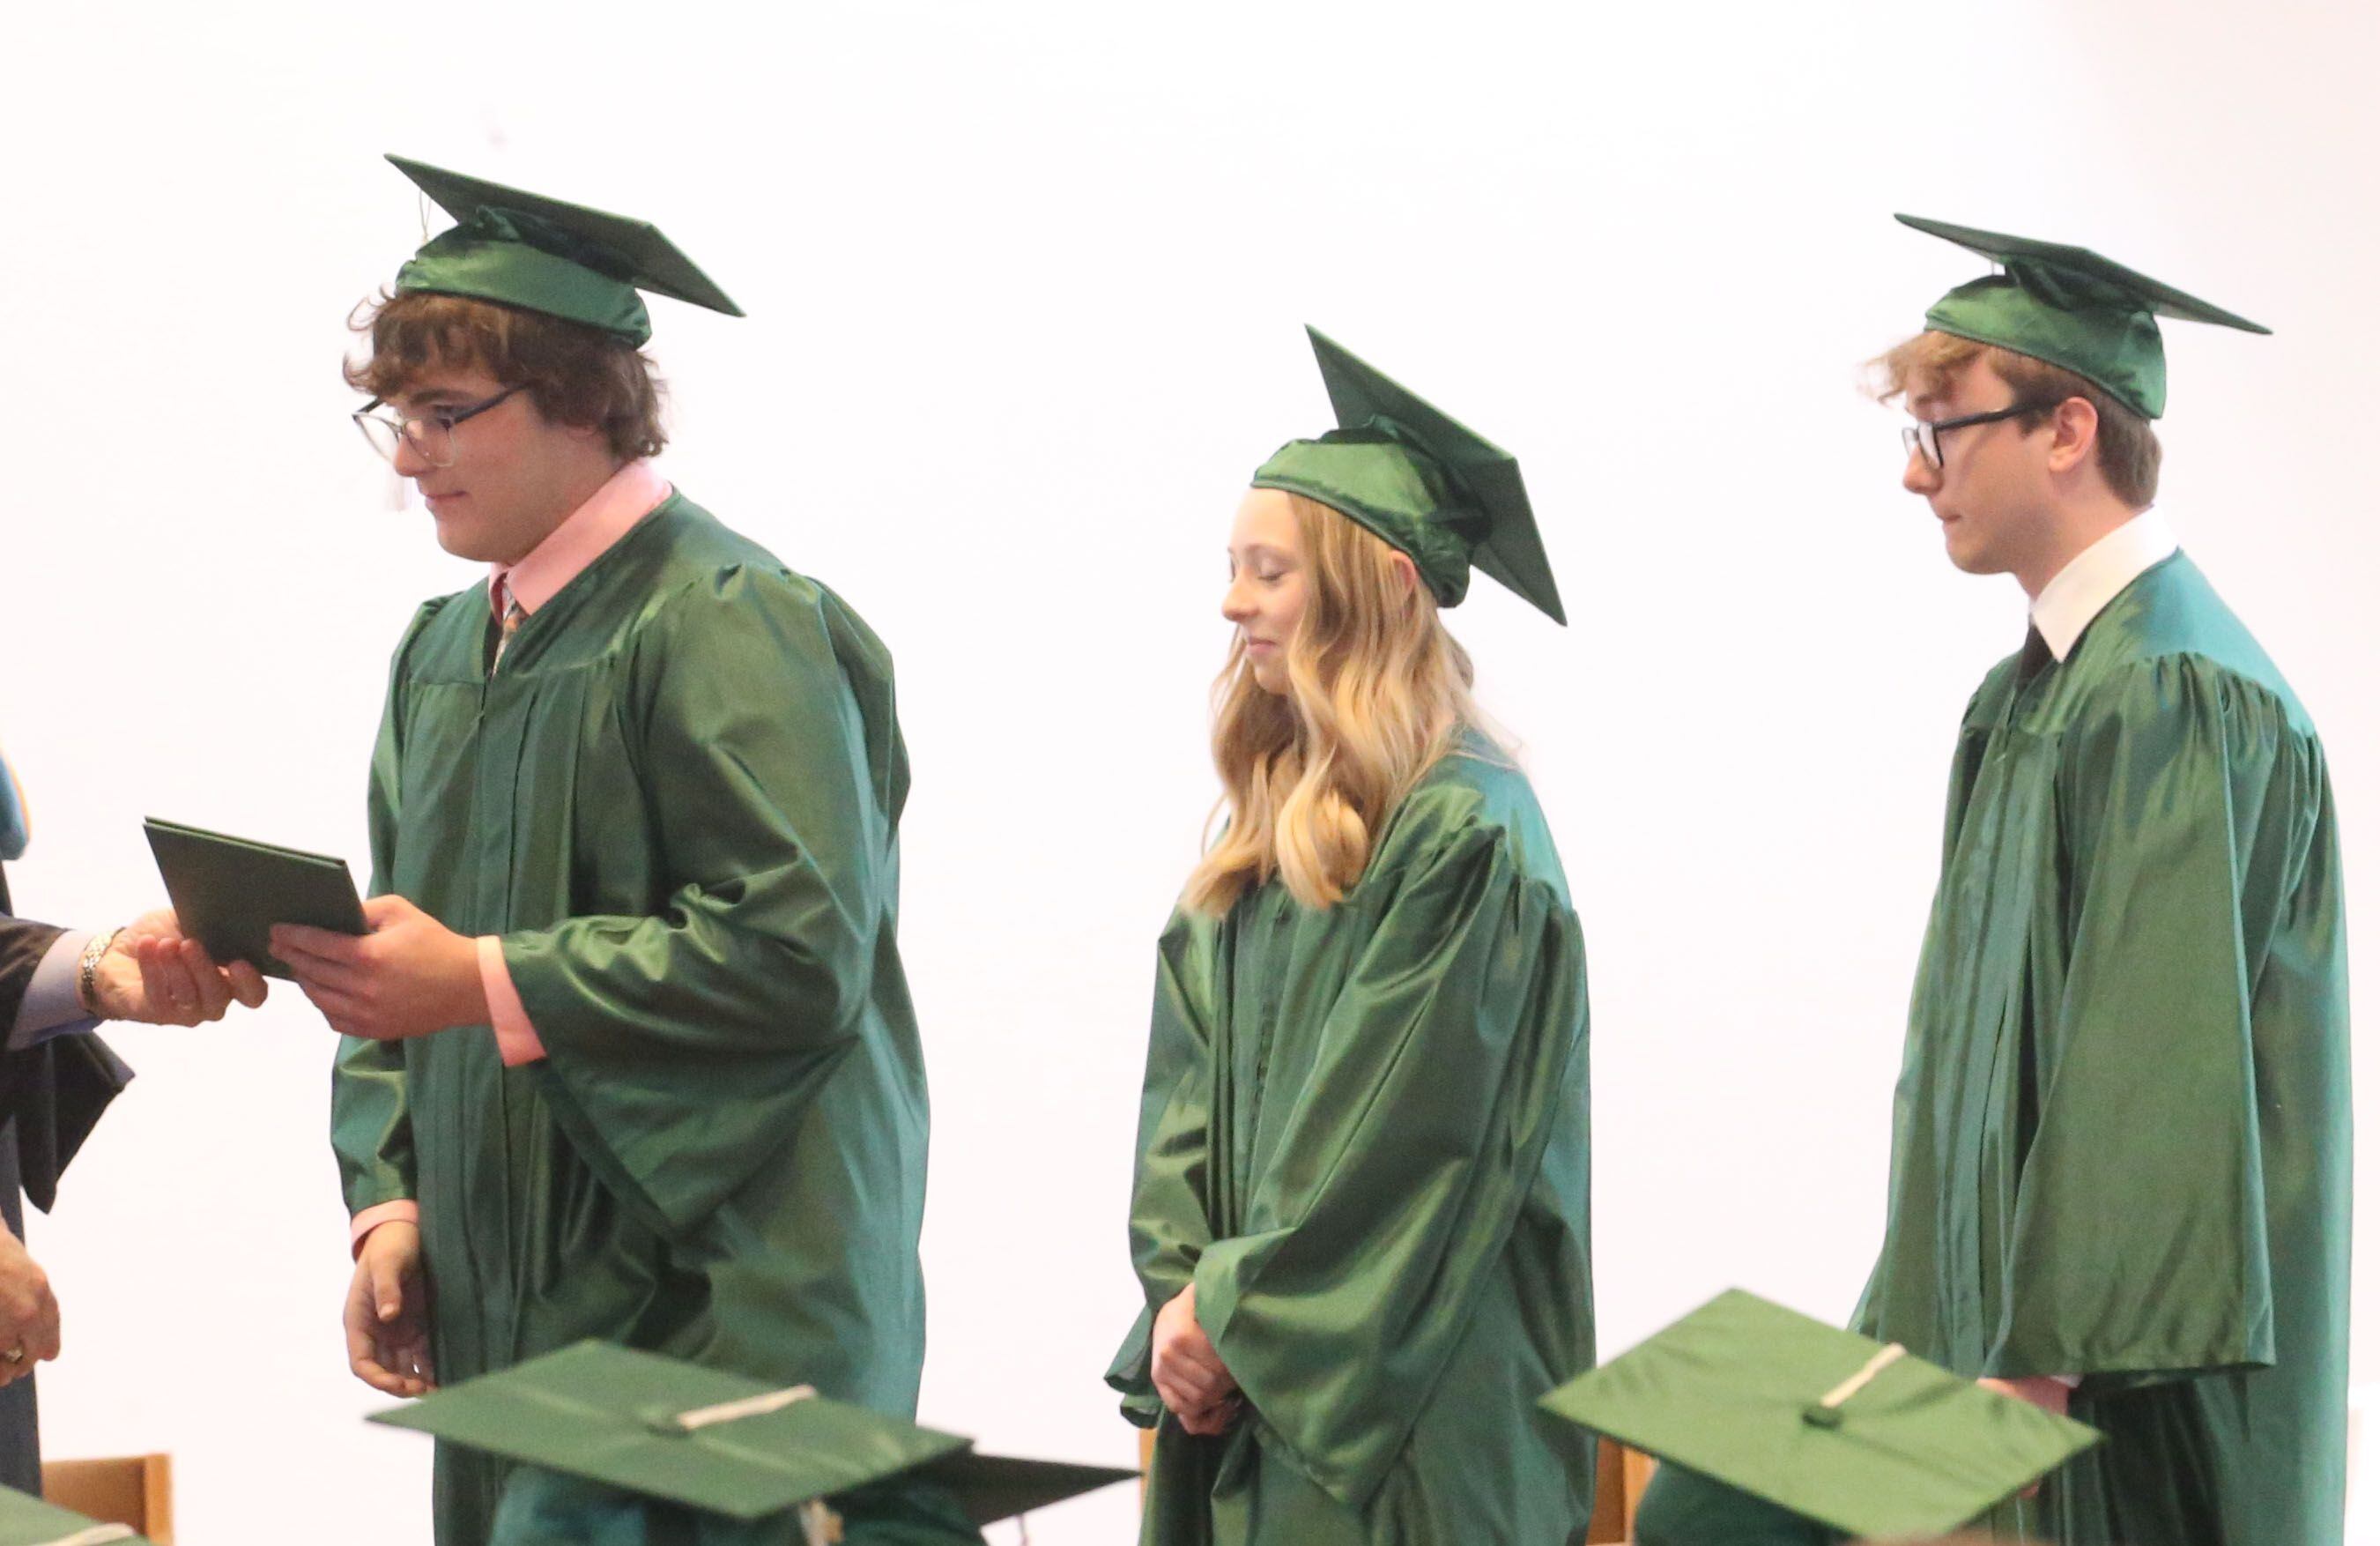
x: 1360, y: 1211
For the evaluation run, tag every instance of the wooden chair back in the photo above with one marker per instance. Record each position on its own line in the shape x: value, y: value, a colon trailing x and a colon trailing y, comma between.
x: 135, y: 1489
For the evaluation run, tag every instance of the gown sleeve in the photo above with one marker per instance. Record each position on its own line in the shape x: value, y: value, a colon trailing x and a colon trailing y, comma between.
x: 2138, y: 1247
x: 774, y: 816
x: 1169, y: 1201
x: 371, y: 1126
x: 1402, y: 1169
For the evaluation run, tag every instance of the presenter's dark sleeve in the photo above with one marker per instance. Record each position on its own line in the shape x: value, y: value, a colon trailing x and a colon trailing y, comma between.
x: 55, y: 1091
x: 22, y: 945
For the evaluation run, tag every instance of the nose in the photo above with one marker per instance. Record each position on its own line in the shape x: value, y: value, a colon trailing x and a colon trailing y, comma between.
x: 1237, y: 607
x: 1920, y: 476
x: 408, y: 461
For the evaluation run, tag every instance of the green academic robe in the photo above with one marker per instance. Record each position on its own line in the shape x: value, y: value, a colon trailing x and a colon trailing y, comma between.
x: 543, y: 1508
x: 676, y: 800
x: 2121, y: 1139
x: 1687, y: 1508
x: 1364, y: 1135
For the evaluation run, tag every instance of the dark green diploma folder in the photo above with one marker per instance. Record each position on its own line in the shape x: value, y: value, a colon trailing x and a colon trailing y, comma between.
x: 229, y: 892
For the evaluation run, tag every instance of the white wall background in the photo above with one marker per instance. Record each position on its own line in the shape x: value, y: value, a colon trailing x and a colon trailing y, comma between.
x: 1024, y: 287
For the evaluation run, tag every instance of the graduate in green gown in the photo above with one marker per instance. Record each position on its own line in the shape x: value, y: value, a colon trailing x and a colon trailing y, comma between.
x: 1360, y: 1209
x: 630, y: 1051
x: 2120, y: 1139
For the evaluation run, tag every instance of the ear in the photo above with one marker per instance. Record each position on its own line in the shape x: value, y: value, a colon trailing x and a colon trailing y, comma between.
x: 1407, y: 577
x: 2073, y: 435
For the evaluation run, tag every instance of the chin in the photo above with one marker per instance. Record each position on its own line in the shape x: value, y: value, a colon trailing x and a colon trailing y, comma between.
x: 464, y: 546
x: 1967, y: 559
x: 1274, y: 679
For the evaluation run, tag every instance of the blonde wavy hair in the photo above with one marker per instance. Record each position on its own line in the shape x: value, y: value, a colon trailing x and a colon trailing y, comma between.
x: 1379, y: 690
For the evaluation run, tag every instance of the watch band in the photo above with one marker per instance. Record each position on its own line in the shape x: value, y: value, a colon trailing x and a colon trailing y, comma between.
x: 87, y: 973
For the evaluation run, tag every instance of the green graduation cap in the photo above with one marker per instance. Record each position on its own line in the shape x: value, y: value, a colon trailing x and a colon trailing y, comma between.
x: 2071, y: 307
x: 722, y: 1442
x: 1421, y: 482
x: 25, y: 1520
x: 567, y: 260
x: 1824, y: 1422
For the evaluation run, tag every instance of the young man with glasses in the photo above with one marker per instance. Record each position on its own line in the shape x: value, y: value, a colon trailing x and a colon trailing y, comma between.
x: 630, y: 1052
x: 2120, y: 1142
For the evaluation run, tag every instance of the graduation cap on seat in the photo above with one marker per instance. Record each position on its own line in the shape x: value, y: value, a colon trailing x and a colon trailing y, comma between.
x: 720, y: 1442
x: 522, y: 249
x: 1849, y: 1433
x: 25, y: 1520
x: 1446, y: 497
x: 2073, y: 307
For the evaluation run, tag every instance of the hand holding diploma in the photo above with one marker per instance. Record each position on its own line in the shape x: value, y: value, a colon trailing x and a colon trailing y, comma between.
x: 151, y: 973
x: 408, y: 975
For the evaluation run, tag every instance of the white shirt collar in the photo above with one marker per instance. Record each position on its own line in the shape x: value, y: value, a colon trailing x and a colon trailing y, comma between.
x: 2096, y: 576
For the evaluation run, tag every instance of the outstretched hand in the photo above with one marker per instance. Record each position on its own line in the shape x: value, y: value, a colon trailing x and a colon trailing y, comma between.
x: 153, y: 974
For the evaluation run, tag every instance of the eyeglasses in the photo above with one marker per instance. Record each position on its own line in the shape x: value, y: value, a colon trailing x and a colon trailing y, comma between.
x: 432, y: 434
x: 1924, y: 439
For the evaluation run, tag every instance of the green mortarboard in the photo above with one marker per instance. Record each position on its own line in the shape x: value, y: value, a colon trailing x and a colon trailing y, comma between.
x: 1825, y: 1423
x: 720, y: 1442
x: 541, y: 254
x: 25, y: 1520
x: 1419, y: 481
x: 2071, y: 307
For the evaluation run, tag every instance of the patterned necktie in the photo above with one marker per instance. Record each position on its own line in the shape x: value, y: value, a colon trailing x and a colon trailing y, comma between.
x: 508, y: 626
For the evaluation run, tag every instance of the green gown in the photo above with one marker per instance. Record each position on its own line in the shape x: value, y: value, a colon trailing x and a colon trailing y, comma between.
x: 1687, y: 1508
x: 1364, y: 1133
x: 2120, y: 1139
x: 676, y: 800
x: 542, y: 1508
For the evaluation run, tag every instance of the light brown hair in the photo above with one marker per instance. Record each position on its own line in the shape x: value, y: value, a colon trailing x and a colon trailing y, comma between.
x: 577, y: 375
x: 1377, y: 692
x: 2129, y: 454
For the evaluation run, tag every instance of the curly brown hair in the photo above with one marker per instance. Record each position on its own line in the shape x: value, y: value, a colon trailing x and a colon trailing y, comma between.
x: 2129, y: 456
x: 577, y: 375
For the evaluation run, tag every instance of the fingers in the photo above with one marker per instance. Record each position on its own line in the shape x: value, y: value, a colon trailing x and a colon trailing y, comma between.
x: 247, y: 984
x: 43, y: 1343
x: 381, y: 1274
x: 28, y: 1328
x: 409, y: 1357
x: 347, y: 1015
x: 299, y: 944
x: 180, y: 982
x: 210, y: 988
x: 157, y: 980
x: 381, y: 911
x: 1196, y: 1351
x: 1210, y: 1421
x: 1186, y: 1397
x: 374, y: 1356
x: 363, y: 1361
x: 1185, y: 1386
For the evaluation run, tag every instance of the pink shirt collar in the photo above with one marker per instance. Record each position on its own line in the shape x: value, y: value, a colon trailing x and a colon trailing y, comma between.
x: 631, y: 495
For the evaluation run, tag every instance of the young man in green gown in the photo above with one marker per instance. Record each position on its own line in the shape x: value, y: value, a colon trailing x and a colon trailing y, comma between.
x: 630, y: 1053
x: 2120, y: 1139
